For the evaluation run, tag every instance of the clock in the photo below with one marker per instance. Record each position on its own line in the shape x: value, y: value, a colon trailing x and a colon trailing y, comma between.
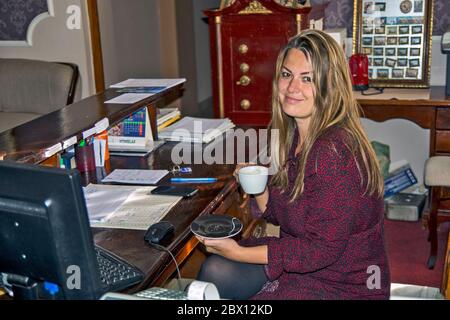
x: 405, y: 6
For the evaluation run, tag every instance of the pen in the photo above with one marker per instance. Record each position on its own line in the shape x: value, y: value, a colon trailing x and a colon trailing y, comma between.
x: 194, y: 180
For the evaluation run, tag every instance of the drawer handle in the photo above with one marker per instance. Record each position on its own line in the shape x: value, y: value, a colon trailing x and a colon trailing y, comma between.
x: 243, y: 49
x: 244, y: 81
x: 245, y: 104
x: 244, y: 67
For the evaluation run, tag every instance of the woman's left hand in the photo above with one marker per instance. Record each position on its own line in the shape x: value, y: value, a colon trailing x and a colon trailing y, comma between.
x: 227, y: 248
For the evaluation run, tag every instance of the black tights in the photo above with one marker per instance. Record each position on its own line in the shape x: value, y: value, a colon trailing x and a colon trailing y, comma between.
x: 234, y: 280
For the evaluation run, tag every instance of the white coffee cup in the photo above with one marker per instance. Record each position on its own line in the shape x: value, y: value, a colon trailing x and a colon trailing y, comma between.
x: 253, y: 179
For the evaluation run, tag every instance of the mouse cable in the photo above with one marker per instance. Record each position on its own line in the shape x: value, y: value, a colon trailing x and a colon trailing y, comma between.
x: 157, y: 246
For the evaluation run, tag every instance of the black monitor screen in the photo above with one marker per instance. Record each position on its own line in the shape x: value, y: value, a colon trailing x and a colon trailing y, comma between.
x: 45, y: 236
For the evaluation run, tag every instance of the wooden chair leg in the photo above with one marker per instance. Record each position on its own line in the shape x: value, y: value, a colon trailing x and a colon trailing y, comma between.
x: 432, y: 226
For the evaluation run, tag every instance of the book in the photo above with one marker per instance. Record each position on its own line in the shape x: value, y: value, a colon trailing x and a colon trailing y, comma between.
x: 168, y: 122
x: 196, y: 130
x: 398, y: 180
x: 165, y: 114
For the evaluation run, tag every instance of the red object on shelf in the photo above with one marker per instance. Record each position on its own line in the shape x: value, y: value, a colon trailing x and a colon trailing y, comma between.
x: 359, y: 68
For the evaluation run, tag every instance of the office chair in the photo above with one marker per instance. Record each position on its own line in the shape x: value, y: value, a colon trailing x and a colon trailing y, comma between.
x: 31, y: 88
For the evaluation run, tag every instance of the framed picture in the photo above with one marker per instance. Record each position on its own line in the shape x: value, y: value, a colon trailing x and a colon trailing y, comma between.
x: 396, y: 37
x: 402, y: 52
x: 391, y: 52
x: 378, y: 51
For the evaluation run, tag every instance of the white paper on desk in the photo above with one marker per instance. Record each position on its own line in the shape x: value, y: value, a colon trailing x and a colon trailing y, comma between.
x: 139, y: 210
x: 168, y: 83
x: 135, y: 176
x: 104, y: 200
x: 129, y: 98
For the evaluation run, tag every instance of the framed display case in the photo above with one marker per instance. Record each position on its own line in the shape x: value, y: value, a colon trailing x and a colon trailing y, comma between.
x: 396, y: 36
x: 286, y: 3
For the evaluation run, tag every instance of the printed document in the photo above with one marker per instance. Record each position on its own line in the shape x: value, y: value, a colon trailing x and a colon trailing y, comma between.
x: 125, y: 207
x: 135, y: 176
x: 104, y: 200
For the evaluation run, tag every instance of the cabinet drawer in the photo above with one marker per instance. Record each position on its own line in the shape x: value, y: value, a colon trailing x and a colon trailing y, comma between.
x: 443, y: 118
x: 442, y: 141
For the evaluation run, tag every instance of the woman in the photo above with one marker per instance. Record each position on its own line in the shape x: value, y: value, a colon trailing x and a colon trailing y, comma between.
x: 326, y: 196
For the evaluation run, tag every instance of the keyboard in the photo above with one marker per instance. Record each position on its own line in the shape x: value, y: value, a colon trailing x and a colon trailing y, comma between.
x: 162, y: 294
x: 115, y: 273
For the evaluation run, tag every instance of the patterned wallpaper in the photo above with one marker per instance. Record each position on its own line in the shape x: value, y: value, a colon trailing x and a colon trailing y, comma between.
x: 339, y: 14
x: 16, y: 16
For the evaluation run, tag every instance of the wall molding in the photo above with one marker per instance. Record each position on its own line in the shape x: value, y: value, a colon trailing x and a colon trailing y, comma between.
x: 28, y: 42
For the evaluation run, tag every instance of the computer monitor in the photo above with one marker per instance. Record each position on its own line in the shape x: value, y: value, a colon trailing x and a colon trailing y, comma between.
x: 46, y: 243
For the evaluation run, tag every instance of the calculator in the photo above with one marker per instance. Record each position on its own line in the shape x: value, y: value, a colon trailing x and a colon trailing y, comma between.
x: 154, y: 293
x: 162, y: 294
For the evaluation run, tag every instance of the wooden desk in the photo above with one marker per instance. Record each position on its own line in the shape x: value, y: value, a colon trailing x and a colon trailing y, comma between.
x: 28, y: 142
x: 218, y: 198
x: 433, y: 114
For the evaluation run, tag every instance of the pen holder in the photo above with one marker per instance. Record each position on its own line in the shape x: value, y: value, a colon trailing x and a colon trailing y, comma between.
x: 85, y: 158
x: 104, y: 136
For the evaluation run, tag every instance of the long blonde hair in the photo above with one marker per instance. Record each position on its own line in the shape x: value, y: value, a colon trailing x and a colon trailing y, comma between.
x: 334, y: 105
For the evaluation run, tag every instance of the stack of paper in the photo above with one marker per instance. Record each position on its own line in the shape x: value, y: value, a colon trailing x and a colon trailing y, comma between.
x: 135, y: 90
x: 167, y: 116
x: 167, y: 83
x: 126, y: 207
x: 197, y: 130
x: 135, y: 176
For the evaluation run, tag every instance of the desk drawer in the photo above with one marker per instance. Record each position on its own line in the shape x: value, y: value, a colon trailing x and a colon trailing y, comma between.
x: 443, y: 118
x: 442, y: 141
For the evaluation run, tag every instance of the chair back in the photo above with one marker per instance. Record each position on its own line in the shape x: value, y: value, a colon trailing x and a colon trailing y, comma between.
x: 34, y: 86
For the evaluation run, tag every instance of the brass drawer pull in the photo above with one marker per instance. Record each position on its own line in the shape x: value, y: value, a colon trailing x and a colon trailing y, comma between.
x: 244, y: 81
x: 245, y: 104
x: 244, y: 67
x: 243, y: 49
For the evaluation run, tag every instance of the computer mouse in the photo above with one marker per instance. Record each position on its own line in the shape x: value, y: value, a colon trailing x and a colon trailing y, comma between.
x: 158, y: 231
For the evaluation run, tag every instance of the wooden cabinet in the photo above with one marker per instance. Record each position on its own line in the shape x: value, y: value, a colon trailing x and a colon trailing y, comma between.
x: 432, y: 114
x: 245, y: 40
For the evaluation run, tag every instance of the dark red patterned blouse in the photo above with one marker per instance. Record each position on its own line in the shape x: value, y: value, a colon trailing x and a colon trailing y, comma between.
x: 331, y: 243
